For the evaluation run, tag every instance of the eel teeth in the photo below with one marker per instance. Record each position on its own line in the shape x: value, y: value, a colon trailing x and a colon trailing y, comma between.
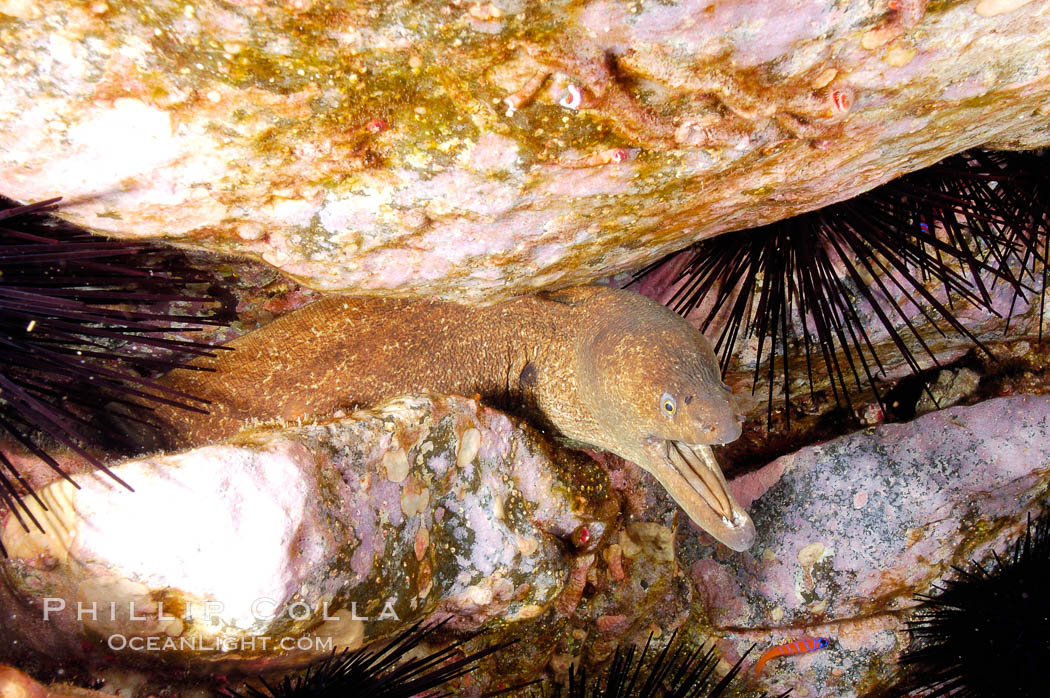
x: 698, y: 466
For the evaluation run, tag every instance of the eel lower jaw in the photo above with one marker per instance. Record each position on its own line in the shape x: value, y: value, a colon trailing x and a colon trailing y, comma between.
x: 691, y: 475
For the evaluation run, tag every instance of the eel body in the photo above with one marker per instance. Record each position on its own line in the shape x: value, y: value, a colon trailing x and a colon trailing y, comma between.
x: 604, y: 367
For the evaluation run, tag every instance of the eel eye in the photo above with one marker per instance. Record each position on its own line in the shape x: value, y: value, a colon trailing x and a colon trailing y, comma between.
x: 668, y: 404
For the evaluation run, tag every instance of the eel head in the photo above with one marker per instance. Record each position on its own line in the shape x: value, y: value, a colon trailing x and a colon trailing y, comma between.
x: 654, y: 389
x: 691, y: 475
x: 675, y: 447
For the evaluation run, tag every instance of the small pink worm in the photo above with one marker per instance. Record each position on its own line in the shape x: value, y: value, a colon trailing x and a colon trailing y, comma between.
x: 838, y: 101
x: 377, y: 125
x: 517, y: 100
x: 842, y: 98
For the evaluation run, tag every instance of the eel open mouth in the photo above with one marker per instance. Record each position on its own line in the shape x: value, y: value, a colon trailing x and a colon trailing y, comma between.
x: 692, y: 476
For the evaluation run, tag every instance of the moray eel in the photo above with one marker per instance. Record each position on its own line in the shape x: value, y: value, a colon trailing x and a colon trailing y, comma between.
x: 604, y: 367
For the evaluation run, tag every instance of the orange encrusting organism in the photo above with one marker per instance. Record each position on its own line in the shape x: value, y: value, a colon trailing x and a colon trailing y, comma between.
x: 803, y: 644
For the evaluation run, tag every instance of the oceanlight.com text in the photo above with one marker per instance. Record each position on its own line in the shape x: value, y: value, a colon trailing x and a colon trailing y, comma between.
x: 258, y: 643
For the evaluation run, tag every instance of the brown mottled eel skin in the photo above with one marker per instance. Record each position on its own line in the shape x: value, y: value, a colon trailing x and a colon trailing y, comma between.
x: 605, y: 367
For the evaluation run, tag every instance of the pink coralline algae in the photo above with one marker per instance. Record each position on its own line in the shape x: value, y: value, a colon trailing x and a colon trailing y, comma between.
x: 327, y: 531
x: 349, y: 150
x: 851, y: 529
x: 343, y: 530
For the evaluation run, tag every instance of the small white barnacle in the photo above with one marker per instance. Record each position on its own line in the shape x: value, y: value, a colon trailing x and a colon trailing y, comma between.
x: 572, y: 98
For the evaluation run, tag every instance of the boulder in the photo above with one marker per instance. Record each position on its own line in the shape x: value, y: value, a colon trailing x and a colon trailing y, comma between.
x: 479, y: 150
x: 850, y: 530
x: 273, y: 549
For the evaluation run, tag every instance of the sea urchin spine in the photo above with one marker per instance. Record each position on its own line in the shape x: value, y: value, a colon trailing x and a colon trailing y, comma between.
x: 82, y: 325
x: 391, y: 669
x: 987, y: 631
x: 966, y: 223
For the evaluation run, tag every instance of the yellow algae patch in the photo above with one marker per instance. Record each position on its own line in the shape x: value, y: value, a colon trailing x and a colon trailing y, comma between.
x: 527, y: 545
x: 396, y: 464
x: 485, y: 12
x: 346, y: 631
x: 422, y: 542
x: 809, y: 555
x: 415, y: 497
x: 526, y: 612
x: 655, y: 540
x: 825, y: 77
x: 899, y: 55
x: 128, y: 605
x: 21, y: 9
x: 58, y: 522
x: 991, y: 8
x: 478, y: 595
x: 880, y: 36
x: 469, y: 444
x: 424, y: 579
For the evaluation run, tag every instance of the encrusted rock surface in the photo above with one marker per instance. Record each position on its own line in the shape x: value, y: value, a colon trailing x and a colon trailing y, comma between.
x: 420, y: 508
x: 851, y: 529
x: 423, y: 508
x: 479, y: 150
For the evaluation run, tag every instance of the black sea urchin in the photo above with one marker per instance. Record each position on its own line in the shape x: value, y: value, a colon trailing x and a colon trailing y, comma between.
x: 987, y: 631
x: 82, y: 325
x: 383, y: 671
x: 965, y: 224
x: 671, y: 673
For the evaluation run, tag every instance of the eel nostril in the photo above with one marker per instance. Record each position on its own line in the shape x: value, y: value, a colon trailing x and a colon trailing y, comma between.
x: 726, y: 431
